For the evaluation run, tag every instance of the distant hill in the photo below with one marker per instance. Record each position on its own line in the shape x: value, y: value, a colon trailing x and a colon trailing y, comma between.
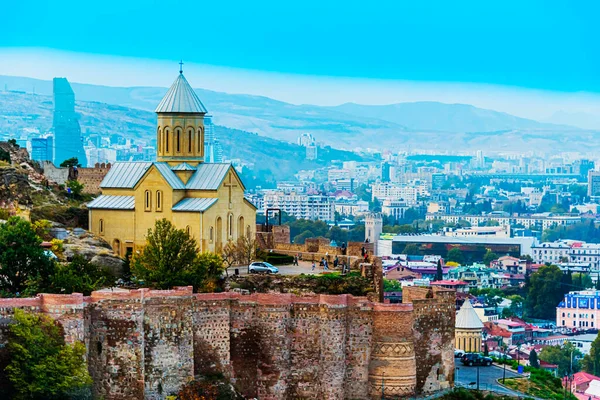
x: 20, y: 112
x: 434, y: 116
x: 427, y: 126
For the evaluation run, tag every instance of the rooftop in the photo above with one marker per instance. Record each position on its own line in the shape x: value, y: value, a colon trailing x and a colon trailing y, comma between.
x: 181, y: 98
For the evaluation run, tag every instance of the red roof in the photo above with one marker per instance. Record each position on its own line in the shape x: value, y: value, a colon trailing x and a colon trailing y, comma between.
x: 449, y: 283
x: 495, y: 330
x: 583, y: 377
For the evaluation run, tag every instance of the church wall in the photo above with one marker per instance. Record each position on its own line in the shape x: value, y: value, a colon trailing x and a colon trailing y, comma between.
x: 171, y: 122
x: 118, y: 224
x: 192, y: 219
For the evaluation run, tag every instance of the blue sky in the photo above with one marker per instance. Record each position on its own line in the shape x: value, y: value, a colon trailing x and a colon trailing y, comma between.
x: 527, y: 44
x: 535, y: 44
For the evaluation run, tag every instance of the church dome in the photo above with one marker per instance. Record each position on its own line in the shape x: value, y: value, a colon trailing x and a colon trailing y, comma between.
x: 467, y: 318
x: 181, y: 98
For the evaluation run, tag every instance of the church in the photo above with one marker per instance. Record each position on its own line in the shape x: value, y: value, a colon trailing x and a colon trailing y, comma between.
x: 205, y: 199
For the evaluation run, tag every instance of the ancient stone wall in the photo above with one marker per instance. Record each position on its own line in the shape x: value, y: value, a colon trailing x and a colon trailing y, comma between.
x: 92, y: 177
x: 433, y: 336
x: 146, y: 344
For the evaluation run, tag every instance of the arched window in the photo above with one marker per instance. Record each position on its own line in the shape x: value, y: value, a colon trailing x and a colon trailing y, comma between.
x: 211, y: 234
x: 240, y: 226
x: 188, y: 229
x: 158, y: 200
x: 190, y: 141
x: 200, y: 148
x: 230, y: 225
x: 178, y: 140
x: 167, y: 140
x: 159, y: 141
x: 147, y: 200
x: 248, y: 231
x: 219, y: 234
x: 101, y: 226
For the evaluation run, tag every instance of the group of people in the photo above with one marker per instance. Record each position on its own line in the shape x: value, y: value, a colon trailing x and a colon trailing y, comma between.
x: 336, y: 263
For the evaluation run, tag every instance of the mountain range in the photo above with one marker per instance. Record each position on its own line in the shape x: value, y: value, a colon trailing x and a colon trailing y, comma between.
x: 416, y: 126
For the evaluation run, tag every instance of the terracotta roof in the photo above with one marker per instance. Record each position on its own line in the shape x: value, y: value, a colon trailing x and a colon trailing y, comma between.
x: 584, y: 377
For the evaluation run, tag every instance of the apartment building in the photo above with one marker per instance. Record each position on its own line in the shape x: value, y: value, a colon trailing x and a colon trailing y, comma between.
x: 314, y: 207
x: 540, y: 221
x: 567, y: 251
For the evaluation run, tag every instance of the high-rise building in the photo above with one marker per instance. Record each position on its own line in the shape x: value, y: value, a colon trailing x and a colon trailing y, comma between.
x: 68, y: 142
x: 385, y: 172
x: 593, y: 183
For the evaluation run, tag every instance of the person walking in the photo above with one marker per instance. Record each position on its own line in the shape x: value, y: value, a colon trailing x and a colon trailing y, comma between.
x: 326, y: 267
x: 313, y: 266
x: 335, y: 262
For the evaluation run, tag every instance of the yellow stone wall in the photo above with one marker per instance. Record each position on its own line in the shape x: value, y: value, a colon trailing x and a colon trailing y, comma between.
x: 122, y: 227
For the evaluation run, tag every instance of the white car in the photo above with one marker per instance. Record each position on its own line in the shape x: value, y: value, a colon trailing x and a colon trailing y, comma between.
x: 264, y: 267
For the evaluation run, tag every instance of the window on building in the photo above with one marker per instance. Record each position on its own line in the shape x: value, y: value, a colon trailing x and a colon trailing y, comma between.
x: 211, y: 234
x: 190, y: 141
x: 147, y: 200
x: 200, y: 144
x: 230, y: 225
x: 563, y: 314
x: 167, y: 139
x: 188, y: 230
x: 159, y: 140
x: 101, y: 226
x: 178, y: 140
x: 158, y: 200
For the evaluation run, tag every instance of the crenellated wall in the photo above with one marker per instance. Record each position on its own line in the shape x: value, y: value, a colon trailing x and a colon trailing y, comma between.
x: 146, y: 343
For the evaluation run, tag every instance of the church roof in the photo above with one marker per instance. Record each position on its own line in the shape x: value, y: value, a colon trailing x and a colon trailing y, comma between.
x: 194, y: 204
x: 172, y: 179
x: 208, y: 176
x: 467, y: 318
x: 183, y: 167
x: 125, y: 174
x: 181, y: 98
x: 113, y: 202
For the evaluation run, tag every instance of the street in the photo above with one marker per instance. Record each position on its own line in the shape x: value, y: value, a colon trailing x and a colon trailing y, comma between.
x: 488, y: 376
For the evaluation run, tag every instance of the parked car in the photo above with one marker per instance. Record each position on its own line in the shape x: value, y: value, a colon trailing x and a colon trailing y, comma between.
x: 470, y: 359
x: 263, y: 267
x: 458, y: 353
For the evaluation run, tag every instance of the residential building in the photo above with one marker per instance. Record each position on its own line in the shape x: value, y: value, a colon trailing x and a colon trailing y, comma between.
x: 568, y: 251
x: 304, y: 206
x: 495, y: 231
x: 390, y: 191
x: 351, y: 207
x: 542, y: 221
x: 593, y: 183
x: 579, y: 310
x: 42, y: 149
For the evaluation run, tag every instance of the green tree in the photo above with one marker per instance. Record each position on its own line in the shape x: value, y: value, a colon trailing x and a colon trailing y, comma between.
x: 390, y: 285
x: 301, y: 238
x: 80, y: 276
x: 41, y: 365
x: 561, y: 356
x: 170, y: 258
x: 4, y: 156
x: 582, y: 281
x: 489, y: 256
x: 439, y: 273
x: 455, y: 254
x: 533, y: 359
x: 70, y: 162
x: 411, y: 249
x: 591, y: 362
x: 545, y: 292
x: 375, y: 205
x: 22, y: 259
x: 76, y: 188
x: 337, y: 234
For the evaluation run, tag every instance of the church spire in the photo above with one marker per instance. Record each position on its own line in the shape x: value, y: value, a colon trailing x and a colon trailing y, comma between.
x: 181, y: 66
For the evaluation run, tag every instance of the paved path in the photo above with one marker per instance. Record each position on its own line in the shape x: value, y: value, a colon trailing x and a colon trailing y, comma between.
x: 488, y: 377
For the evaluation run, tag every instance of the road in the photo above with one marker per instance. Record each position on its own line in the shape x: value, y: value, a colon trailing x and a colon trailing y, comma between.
x: 488, y: 376
x: 303, y: 267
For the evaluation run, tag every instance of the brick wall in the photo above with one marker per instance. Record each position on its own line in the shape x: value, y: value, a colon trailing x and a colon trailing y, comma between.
x: 146, y: 344
x: 92, y: 177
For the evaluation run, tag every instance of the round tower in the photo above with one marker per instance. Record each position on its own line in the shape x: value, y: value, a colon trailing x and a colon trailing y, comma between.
x: 468, y: 329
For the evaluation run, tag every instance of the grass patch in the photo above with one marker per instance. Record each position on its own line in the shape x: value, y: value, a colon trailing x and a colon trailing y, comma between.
x: 541, y: 384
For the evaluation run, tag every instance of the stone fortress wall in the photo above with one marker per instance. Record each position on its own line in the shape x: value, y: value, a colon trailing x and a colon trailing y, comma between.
x: 146, y: 343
